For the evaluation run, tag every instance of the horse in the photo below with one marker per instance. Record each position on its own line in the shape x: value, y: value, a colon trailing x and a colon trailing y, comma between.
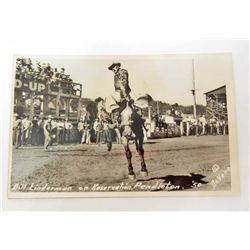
x: 131, y: 126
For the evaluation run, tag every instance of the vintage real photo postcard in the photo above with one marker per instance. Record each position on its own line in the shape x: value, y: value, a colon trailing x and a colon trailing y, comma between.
x: 123, y: 125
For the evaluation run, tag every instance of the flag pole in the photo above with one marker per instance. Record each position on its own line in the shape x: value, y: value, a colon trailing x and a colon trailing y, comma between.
x: 194, y: 95
x: 194, y: 90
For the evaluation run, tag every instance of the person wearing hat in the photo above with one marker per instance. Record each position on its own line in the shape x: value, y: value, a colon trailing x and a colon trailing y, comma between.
x: 121, y: 82
x: 34, y: 131
x: 17, y: 127
x: 68, y: 129
x: 98, y: 130
x: 47, y: 128
x: 26, y: 130
x: 86, y: 132
x: 13, y: 127
x: 40, y: 123
x: 80, y: 128
x: 62, y: 74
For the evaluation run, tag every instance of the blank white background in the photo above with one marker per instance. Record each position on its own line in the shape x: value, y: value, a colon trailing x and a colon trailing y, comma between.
x: 80, y: 27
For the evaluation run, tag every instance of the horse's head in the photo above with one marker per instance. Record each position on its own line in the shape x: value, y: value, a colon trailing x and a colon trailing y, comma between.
x: 126, y: 113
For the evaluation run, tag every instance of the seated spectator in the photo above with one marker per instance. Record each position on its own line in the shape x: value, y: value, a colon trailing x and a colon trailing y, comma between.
x: 29, y: 65
x: 62, y: 74
x: 54, y: 75
x: 44, y: 72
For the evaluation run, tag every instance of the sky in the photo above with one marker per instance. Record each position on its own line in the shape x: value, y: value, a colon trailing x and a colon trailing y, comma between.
x: 167, y: 78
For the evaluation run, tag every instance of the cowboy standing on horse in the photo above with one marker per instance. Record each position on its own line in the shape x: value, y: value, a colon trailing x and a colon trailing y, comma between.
x: 121, y: 82
x: 122, y: 88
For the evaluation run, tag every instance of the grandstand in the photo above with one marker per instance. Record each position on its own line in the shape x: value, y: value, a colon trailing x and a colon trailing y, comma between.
x: 44, y: 91
x: 216, y: 107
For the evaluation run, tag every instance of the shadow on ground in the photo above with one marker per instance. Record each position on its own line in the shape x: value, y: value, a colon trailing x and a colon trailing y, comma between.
x: 180, y: 181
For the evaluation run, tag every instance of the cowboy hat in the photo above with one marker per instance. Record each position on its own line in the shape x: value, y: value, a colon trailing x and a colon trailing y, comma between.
x: 113, y: 65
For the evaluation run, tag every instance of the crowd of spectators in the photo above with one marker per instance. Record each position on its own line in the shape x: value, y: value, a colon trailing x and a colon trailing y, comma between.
x: 43, y: 72
x: 203, y: 126
x: 52, y: 131
x: 189, y: 125
x: 33, y: 131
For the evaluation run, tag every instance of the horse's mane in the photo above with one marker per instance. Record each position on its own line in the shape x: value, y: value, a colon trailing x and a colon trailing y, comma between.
x: 141, y: 101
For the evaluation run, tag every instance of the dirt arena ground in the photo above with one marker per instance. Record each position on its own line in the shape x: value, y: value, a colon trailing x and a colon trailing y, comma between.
x: 200, y: 163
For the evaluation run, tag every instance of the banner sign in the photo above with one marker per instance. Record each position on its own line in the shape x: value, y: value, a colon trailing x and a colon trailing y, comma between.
x: 30, y: 86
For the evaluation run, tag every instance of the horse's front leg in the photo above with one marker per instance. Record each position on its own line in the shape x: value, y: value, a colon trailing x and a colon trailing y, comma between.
x: 128, y: 153
x: 140, y: 150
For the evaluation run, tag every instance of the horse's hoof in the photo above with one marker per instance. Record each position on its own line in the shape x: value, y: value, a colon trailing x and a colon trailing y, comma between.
x: 144, y: 173
x: 131, y: 176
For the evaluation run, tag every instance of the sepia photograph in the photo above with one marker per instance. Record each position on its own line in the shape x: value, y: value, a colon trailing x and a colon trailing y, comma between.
x: 123, y: 125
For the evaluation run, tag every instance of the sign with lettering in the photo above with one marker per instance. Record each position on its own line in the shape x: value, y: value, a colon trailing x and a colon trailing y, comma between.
x: 30, y: 86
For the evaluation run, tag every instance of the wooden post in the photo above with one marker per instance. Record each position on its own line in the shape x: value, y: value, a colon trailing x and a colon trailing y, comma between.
x: 32, y: 106
x: 194, y: 95
x: 79, y: 109
x: 194, y: 90
x: 58, y: 105
x: 45, y: 105
x: 67, y: 111
x: 58, y: 102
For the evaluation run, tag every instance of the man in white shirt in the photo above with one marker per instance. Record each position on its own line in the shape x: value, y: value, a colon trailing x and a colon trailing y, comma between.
x: 68, y: 126
x: 80, y: 128
x: 26, y: 127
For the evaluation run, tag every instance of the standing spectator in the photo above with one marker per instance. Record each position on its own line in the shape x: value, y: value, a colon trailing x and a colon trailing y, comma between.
x: 223, y: 127
x: 47, y: 133
x: 200, y: 128
x: 195, y: 127
x: 207, y: 128
x: 68, y: 126
x: 40, y: 124
x: 212, y: 123
x: 17, y: 128
x: 86, y: 132
x: 59, y: 131
x: 98, y: 130
x: 26, y: 129
x: 203, y: 123
x: 80, y: 128
x: 217, y: 125
x: 34, y: 132
x: 106, y: 132
x: 117, y: 132
x: 13, y: 128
